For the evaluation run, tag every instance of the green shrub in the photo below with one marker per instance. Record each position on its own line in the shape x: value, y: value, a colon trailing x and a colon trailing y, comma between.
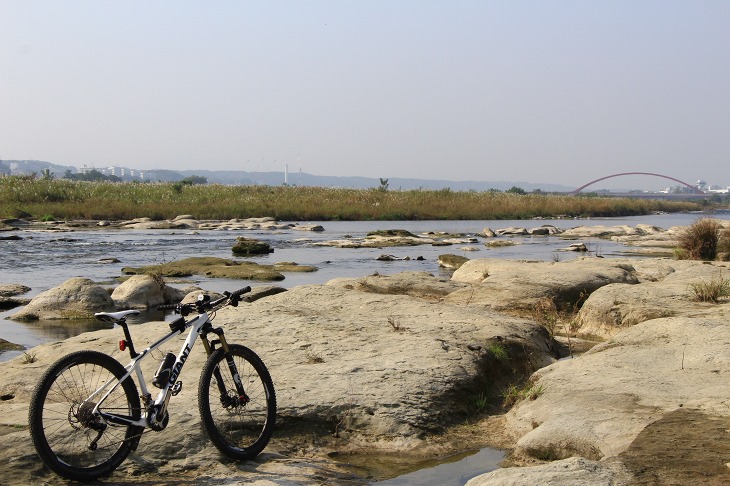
x: 498, y: 351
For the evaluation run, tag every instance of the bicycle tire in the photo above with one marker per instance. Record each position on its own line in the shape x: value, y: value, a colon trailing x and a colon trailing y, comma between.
x: 59, y: 416
x: 240, y: 431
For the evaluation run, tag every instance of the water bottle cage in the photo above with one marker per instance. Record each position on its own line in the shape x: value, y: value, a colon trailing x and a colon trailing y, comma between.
x: 163, y: 372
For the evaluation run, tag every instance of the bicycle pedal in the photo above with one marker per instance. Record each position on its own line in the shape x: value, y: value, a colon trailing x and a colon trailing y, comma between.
x: 176, y: 388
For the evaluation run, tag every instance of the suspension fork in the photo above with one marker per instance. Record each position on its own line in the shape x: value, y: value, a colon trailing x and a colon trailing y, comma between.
x: 209, y: 348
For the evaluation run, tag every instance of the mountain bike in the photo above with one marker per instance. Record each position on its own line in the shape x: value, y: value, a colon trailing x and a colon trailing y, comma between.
x: 86, y: 415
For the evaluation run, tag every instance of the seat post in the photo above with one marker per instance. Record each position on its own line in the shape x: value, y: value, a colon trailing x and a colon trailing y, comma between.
x: 128, y: 339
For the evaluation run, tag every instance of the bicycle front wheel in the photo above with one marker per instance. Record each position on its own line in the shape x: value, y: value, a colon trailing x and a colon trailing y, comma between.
x: 240, y: 426
x: 72, y: 439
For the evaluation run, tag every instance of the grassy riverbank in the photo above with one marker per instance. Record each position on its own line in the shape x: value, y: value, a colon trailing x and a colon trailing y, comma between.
x: 64, y: 199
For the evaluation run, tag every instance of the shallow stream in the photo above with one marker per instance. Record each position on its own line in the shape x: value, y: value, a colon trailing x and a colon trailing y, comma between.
x: 45, y: 259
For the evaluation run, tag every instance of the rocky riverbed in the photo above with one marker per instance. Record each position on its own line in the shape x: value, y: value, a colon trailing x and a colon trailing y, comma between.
x: 416, y: 365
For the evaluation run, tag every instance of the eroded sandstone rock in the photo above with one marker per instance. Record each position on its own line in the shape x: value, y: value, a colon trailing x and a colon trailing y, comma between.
x: 76, y: 298
x: 517, y: 285
x: 145, y: 292
x: 352, y: 369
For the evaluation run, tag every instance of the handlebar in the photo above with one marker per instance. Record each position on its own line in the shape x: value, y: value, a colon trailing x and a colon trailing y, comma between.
x: 205, y: 304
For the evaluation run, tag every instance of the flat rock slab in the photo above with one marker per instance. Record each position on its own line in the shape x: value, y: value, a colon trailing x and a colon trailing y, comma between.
x: 220, y: 268
x: 344, y: 374
x: 11, y: 290
x: 378, y: 241
x: 518, y: 285
x: 600, y: 404
x: 665, y: 291
x: 415, y: 284
x: 575, y: 471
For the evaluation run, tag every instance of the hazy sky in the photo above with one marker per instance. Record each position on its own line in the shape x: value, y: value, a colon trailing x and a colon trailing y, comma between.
x: 537, y: 91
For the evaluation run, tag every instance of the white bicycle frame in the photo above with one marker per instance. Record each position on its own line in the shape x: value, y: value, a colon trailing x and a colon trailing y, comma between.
x: 163, y: 397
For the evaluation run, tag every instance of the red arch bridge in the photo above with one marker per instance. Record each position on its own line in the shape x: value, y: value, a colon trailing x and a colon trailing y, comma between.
x: 695, y: 190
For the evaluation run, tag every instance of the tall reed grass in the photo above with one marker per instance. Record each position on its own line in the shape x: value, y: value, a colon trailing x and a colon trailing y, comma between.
x: 699, y: 241
x: 65, y: 199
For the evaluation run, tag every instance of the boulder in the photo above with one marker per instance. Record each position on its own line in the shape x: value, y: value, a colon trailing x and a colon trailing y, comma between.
x: 391, y: 258
x: 145, y: 292
x: 546, y: 229
x: 308, y: 227
x: 512, y: 230
x: 250, y: 247
x: 452, y: 261
x: 76, y: 298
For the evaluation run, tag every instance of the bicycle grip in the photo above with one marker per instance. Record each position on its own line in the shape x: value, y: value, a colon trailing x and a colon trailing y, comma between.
x: 239, y: 292
x: 163, y: 307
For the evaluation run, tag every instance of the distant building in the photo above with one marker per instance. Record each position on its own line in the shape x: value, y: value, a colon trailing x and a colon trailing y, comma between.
x: 715, y: 189
x: 114, y: 171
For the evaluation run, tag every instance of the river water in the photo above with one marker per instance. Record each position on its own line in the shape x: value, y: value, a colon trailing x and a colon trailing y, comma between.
x: 45, y: 259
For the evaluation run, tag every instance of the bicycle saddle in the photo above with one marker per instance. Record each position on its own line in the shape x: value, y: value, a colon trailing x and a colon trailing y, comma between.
x: 116, y: 316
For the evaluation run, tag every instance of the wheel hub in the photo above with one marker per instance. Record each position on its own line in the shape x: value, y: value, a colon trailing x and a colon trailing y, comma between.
x: 82, y: 415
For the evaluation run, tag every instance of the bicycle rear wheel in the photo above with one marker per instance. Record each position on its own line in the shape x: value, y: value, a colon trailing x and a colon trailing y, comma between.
x: 239, y: 426
x: 69, y: 437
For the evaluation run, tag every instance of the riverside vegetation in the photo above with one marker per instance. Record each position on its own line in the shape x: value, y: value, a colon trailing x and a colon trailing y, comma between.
x: 47, y: 198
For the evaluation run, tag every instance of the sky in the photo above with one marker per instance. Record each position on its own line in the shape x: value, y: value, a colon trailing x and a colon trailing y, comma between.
x: 541, y: 91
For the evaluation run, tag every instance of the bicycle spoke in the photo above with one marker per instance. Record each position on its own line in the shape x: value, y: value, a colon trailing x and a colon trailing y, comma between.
x: 71, y: 438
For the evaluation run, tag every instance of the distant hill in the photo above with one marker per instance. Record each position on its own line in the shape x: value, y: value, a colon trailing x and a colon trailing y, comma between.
x: 30, y: 166
x: 304, y: 179
x: 295, y: 179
